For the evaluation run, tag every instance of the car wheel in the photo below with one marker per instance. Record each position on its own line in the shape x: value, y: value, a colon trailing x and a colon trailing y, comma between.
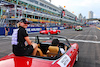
x: 48, y: 33
x: 58, y: 32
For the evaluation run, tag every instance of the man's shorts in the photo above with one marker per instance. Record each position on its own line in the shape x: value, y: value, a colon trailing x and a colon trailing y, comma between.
x: 6, y: 33
x: 23, y: 51
x: 28, y: 50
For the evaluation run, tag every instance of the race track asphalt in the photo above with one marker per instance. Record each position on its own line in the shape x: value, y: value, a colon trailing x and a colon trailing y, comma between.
x: 88, y: 41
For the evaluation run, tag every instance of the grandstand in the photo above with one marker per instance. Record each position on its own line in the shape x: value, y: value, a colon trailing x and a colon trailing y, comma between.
x: 39, y: 11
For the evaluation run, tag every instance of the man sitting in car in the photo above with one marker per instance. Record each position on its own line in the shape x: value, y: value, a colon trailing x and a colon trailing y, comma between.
x: 55, y: 42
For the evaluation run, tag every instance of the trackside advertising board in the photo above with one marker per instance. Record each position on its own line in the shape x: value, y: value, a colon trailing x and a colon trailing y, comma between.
x: 29, y: 29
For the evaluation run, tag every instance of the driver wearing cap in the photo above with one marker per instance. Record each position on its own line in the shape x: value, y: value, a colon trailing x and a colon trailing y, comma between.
x: 19, y: 37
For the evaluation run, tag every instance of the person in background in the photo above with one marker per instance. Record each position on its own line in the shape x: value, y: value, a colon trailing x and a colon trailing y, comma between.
x: 5, y: 24
x: 45, y: 28
x: 20, y: 37
x: 9, y: 24
x: 55, y: 42
x: 6, y: 30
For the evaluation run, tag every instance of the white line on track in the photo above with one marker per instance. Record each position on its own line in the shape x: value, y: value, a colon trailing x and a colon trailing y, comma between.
x: 87, y: 36
x: 6, y: 36
x: 77, y: 36
x: 86, y: 41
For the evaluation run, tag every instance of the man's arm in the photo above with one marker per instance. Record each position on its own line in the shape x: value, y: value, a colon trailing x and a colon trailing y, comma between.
x: 5, y: 28
x: 30, y: 42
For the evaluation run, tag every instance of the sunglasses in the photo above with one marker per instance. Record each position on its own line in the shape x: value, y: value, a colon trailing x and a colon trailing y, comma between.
x: 24, y: 23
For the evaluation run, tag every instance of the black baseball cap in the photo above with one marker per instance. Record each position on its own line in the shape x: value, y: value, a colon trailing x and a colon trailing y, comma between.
x: 24, y: 20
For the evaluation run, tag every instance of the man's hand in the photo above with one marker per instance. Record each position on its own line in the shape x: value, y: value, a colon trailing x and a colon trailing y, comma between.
x: 34, y: 45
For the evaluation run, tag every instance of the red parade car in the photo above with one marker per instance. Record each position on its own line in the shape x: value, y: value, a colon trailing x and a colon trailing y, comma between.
x: 50, y: 31
x: 47, y: 55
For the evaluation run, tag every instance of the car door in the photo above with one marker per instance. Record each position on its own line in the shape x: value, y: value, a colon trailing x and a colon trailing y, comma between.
x: 66, y: 60
x: 54, y: 31
x: 73, y: 53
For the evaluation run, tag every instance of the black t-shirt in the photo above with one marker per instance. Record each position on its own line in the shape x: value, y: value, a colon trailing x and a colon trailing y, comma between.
x: 21, y: 34
x: 7, y: 28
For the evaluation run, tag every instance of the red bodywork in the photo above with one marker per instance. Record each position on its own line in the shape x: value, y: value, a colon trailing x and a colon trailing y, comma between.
x: 50, y: 31
x: 26, y: 61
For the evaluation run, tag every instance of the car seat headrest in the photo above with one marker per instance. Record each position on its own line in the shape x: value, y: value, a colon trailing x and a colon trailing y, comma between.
x: 53, y: 48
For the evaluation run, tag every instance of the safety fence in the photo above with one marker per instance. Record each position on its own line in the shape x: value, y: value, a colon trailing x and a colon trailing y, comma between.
x: 29, y: 29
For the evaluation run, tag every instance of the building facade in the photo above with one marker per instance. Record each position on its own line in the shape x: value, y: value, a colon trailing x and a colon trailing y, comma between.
x: 90, y: 14
x: 80, y: 16
x: 35, y: 11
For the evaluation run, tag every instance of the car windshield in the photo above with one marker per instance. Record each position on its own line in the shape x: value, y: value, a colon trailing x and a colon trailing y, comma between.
x: 45, y: 46
x: 48, y: 39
